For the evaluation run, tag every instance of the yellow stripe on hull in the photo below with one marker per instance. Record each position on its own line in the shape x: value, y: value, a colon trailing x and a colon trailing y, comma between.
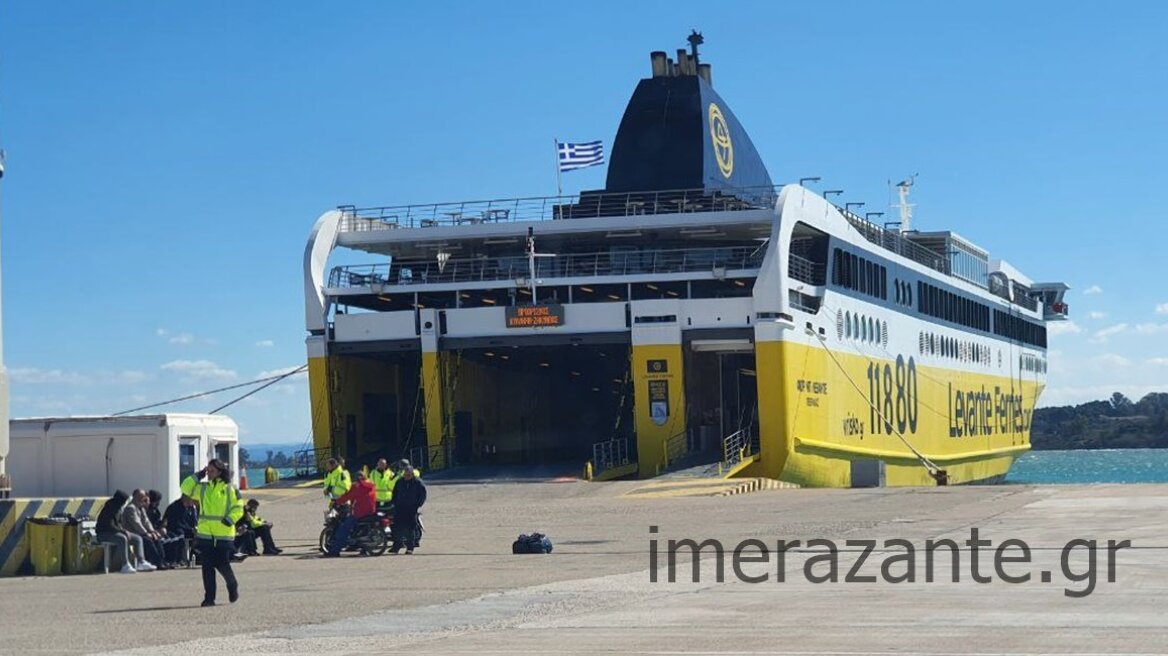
x: 659, y: 402
x: 817, y: 414
x: 433, y: 383
x: 318, y: 390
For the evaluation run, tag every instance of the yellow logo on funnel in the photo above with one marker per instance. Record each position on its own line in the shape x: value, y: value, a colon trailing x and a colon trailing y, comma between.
x: 720, y: 137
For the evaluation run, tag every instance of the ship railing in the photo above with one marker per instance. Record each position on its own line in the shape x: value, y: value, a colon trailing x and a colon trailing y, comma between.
x: 309, y: 462
x: 432, y: 457
x: 893, y: 241
x: 586, y: 205
x: 738, y: 446
x: 675, y: 448
x: 804, y: 270
x: 610, y: 455
x: 584, y: 265
x: 897, y: 243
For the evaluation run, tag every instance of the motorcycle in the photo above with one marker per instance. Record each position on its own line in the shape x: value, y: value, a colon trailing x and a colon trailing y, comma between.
x: 387, y: 510
x: 370, y: 536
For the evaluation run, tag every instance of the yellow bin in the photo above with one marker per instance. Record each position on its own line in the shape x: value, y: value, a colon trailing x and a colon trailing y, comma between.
x: 78, y: 560
x: 46, y: 540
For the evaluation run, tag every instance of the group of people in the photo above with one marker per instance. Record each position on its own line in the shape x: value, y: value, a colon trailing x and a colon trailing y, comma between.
x: 144, y: 537
x: 397, y: 491
x: 210, y: 514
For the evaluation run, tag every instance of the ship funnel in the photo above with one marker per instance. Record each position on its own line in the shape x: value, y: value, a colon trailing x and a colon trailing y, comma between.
x: 704, y: 72
x: 660, y: 63
x: 678, y: 133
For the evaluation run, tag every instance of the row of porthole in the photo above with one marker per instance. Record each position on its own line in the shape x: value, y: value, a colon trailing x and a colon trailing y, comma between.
x: 903, y: 292
x: 957, y: 349
x: 1032, y: 363
x: 861, y: 328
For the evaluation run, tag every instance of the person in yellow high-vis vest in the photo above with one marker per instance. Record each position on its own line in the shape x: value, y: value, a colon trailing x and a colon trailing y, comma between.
x: 383, y: 479
x: 336, y: 479
x: 220, y: 507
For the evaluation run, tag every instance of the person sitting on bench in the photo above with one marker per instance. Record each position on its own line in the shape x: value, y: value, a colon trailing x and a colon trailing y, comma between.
x: 261, y: 529
x: 109, y: 529
x: 134, y: 520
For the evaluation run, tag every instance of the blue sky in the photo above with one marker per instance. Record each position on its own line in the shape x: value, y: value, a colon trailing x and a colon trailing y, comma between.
x: 166, y: 161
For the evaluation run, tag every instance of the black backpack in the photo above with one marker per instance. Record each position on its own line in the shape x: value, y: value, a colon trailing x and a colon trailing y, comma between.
x: 536, y: 543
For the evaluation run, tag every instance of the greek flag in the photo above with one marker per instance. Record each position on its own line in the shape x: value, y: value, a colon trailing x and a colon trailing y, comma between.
x: 580, y: 155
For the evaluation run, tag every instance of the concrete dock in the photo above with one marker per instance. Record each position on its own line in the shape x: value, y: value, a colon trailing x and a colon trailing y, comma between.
x: 464, y: 592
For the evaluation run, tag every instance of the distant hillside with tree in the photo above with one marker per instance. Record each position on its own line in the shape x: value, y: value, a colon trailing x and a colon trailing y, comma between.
x: 278, y: 455
x: 1117, y: 423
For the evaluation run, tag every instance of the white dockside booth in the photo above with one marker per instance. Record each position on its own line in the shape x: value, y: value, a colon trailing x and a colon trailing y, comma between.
x: 93, y: 456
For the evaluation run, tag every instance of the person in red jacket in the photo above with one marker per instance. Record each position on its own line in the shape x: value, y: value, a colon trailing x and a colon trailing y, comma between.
x: 363, y: 496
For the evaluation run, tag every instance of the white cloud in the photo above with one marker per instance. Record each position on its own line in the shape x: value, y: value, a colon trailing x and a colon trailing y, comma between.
x: 1093, y: 290
x: 1162, y: 308
x: 35, y: 376
x: 199, y: 369
x: 1158, y: 362
x: 1112, y: 360
x: 265, y: 343
x: 1151, y: 328
x: 182, y: 339
x: 283, y: 370
x: 128, y: 377
x: 1063, y: 328
x: 1097, y: 315
x: 1103, y: 334
x: 1054, y: 396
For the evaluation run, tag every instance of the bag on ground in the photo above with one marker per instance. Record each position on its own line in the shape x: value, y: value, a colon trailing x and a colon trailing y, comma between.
x: 533, y: 543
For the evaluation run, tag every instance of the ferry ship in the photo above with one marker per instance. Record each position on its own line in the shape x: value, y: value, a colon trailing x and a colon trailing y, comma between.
x: 690, y: 312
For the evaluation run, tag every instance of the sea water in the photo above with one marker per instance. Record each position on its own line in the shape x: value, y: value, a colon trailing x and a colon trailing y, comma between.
x: 1091, y: 466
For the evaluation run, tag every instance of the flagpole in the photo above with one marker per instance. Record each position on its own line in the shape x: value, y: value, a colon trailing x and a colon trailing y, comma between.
x: 559, y: 183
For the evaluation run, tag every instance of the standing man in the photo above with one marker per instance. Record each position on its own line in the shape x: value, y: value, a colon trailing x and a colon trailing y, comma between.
x: 364, y: 498
x: 409, y: 494
x: 219, y: 509
x: 383, y: 479
x: 336, y: 479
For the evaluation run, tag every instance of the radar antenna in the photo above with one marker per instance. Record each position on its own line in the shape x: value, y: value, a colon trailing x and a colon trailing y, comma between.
x: 695, y: 39
x: 905, y: 207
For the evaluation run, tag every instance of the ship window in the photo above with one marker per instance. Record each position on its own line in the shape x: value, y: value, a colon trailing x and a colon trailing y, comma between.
x: 848, y: 325
x: 872, y: 329
x: 863, y: 330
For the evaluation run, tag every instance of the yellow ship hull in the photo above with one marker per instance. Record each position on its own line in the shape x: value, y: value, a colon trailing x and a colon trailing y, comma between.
x: 820, y: 410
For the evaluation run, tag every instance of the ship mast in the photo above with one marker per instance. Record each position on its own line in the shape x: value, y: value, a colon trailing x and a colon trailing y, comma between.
x: 4, y: 484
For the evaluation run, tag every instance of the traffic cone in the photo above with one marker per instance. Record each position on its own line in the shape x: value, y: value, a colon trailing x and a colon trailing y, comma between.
x: 243, y: 480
